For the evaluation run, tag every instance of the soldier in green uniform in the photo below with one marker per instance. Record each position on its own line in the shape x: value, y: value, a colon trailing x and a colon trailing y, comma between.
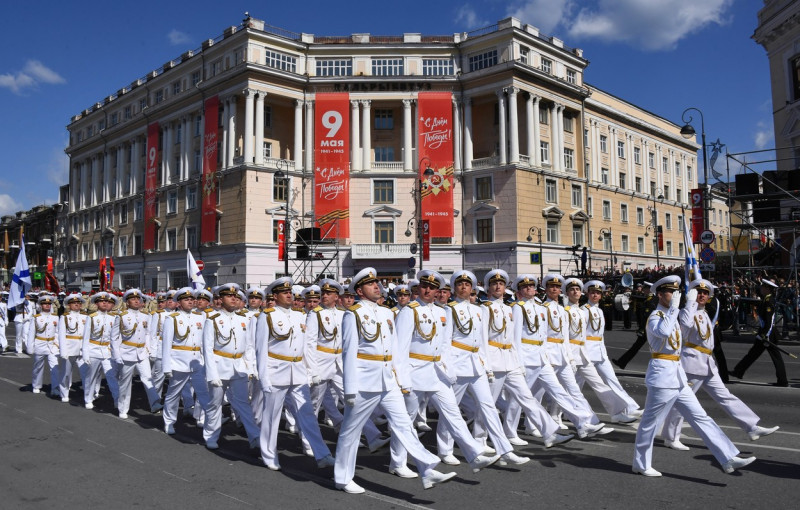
x: 766, y: 338
x: 650, y: 304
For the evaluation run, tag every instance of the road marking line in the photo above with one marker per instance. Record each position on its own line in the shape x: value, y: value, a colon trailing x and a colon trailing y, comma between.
x: 134, y: 458
x: 15, y: 383
x: 20, y: 411
x: 176, y: 476
x: 65, y: 430
x: 98, y: 444
x: 235, y: 499
x: 40, y: 419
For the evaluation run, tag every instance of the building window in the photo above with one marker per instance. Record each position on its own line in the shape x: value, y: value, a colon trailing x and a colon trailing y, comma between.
x: 383, y: 191
x: 680, y: 223
x: 589, y: 207
x: 625, y: 244
x: 544, y: 147
x: 666, y: 193
x: 689, y: 172
x: 483, y: 188
x: 126, y: 113
x: 679, y: 194
x: 172, y: 201
x: 85, y: 251
x: 568, y: 123
x: 603, y: 144
x: 438, y: 67
x: 482, y: 60
x: 137, y: 244
x: 172, y: 239
x: 651, y: 160
x: 552, y: 231
x: 96, y: 250
x: 115, y: 118
x: 638, y: 186
x: 387, y: 67
x: 652, y: 188
x: 677, y: 169
x: 159, y: 96
x: 550, y: 193
x: 335, y: 67
x: 138, y: 210
x: 665, y: 165
x: 572, y: 77
x: 640, y: 244
x: 384, y: 154
x: 637, y: 155
x: 668, y: 221
x: 123, y: 246
x: 795, y: 63
x: 577, y: 196
x: 142, y: 104
x: 280, y: 186
x: 75, y: 224
x: 176, y: 88
x: 384, y: 231
x: 281, y: 61
x: 577, y: 234
x: 191, y: 197
x: 195, y: 78
x: 267, y: 148
x: 639, y: 216
x: 198, y: 161
x: 604, y: 175
x: 544, y: 116
x: 606, y: 241
x: 276, y: 230
x: 191, y: 238
x: 622, y: 183
x: 606, y: 210
x: 110, y: 217
x: 669, y: 248
x: 384, y: 119
x: 98, y: 220
x: 623, y: 213
x: 484, y: 230
x: 86, y: 222
x: 569, y: 159
x: 547, y: 65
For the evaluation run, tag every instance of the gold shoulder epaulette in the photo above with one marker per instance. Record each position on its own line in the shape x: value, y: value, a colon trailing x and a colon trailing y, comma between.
x: 174, y: 314
x: 452, y: 304
x: 241, y: 313
x: 354, y: 307
x: 208, y: 310
x: 269, y: 310
x: 298, y: 309
x: 37, y: 315
x: 567, y: 308
x: 92, y: 314
x: 318, y: 308
x: 395, y: 309
x: 520, y: 302
x: 340, y: 308
x: 487, y: 303
x: 212, y: 317
x: 413, y: 304
x: 122, y: 313
x: 660, y: 313
x: 197, y: 312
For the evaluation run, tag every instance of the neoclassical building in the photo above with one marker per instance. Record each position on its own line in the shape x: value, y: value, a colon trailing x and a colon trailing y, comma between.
x: 214, y: 151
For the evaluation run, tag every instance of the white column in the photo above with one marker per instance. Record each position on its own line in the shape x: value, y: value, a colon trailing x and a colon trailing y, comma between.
x: 531, y: 128
x: 224, y: 134
x: 355, y: 136
x: 468, y: 133
x: 659, y: 170
x: 167, y: 156
x: 309, y: 159
x: 513, y: 125
x: 134, y: 166
x: 503, y: 127
x: 121, y: 173
x: 85, y: 187
x: 298, y: 134
x: 456, y: 135
x: 95, y: 179
x: 231, y: 130
x: 187, y: 146
x: 595, y: 148
x: 408, y: 130
x: 645, y: 168
x: 560, y: 136
x: 366, y: 135
x: 553, y: 136
x: 107, y: 181
x: 249, y: 100
x: 259, y: 141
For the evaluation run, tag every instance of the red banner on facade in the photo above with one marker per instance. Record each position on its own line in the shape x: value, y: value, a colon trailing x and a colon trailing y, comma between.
x: 697, y: 214
x: 436, y: 152
x: 332, y: 164
x: 426, y: 240
x: 208, y: 223
x: 660, y: 238
x: 282, y: 248
x: 150, y: 185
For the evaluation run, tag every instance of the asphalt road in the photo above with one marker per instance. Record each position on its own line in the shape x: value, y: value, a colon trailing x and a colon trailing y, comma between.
x: 61, y: 455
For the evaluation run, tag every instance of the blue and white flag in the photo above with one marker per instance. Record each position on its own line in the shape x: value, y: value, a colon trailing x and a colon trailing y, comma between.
x: 692, y: 267
x: 196, y: 279
x: 21, y: 279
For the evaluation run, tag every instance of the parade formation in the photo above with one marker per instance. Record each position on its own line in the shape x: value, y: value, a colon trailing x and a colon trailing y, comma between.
x: 513, y: 362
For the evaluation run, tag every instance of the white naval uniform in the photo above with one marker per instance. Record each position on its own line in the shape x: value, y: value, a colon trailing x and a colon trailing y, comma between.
x: 585, y: 370
x: 464, y: 348
x: 229, y: 358
x: 667, y: 386
x: 22, y: 321
x: 530, y: 339
x: 369, y: 342
x: 253, y: 385
x: 421, y: 341
x: 283, y: 373
x: 130, y: 336
x: 42, y: 344
x: 96, y: 353
x: 155, y: 348
x: 3, y: 324
x: 182, y: 354
x: 505, y: 363
x: 701, y: 372
x: 70, y: 340
x: 596, y: 353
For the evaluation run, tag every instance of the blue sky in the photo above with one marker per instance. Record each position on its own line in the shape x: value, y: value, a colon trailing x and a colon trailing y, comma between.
x: 663, y: 55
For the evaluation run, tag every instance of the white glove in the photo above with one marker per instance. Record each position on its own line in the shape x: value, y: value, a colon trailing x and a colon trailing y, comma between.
x: 490, y: 376
x: 119, y: 361
x: 350, y: 400
x: 676, y: 300
x: 691, y: 295
x: 759, y: 338
x: 216, y: 383
x: 168, y: 375
x: 267, y: 387
x: 315, y: 380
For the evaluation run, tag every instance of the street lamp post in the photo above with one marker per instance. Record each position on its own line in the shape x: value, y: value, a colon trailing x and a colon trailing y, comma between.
x: 606, y: 232
x: 538, y: 232
x: 417, y: 220
x: 280, y: 174
x: 687, y: 131
x: 654, y: 220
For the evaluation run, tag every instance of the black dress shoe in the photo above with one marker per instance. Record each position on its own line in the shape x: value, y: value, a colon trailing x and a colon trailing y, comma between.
x: 781, y: 384
x: 735, y: 374
x: 619, y: 365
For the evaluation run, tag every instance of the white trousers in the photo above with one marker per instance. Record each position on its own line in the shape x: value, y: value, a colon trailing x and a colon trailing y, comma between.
x: 606, y: 371
x: 177, y: 384
x: 239, y: 404
x: 3, y: 339
x: 612, y: 403
x: 126, y: 381
x: 516, y: 388
x: 481, y: 408
x: 736, y: 409
x: 96, y: 368
x: 21, y: 330
x: 298, y: 399
x: 157, y: 375
x: 566, y: 376
x: 658, y: 404
x: 65, y: 373
x: 356, y: 416
x: 38, y: 371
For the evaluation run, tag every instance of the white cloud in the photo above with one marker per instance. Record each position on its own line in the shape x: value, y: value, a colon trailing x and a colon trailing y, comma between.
x: 8, y: 205
x: 647, y: 24
x: 30, y: 76
x: 467, y: 17
x: 763, y: 136
x: 176, y: 37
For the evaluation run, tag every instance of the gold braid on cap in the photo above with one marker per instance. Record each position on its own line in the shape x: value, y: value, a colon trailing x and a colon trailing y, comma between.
x: 492, y: 327
x: 327, y: 335
x: 705, y: 335
x: 278, y: 336
x: 422, y: 335
x: 464, y: 330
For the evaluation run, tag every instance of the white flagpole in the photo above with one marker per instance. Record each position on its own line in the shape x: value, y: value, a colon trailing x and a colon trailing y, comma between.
x: 195, y: 275
x: 691, y: 266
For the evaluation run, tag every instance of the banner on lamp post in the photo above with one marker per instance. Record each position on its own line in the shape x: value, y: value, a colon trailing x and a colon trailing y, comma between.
x: 282, y: 240
x: 435, y: 143
x: 698, y: 214
x: 208, y: 222
x: 426, y: 240
x: 150, y: 185
x: 332, y: 163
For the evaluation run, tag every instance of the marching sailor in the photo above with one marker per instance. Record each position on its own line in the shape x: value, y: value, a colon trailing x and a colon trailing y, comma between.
x: 42, y: 344
x: 70, y: 339
x: 96, y: 349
